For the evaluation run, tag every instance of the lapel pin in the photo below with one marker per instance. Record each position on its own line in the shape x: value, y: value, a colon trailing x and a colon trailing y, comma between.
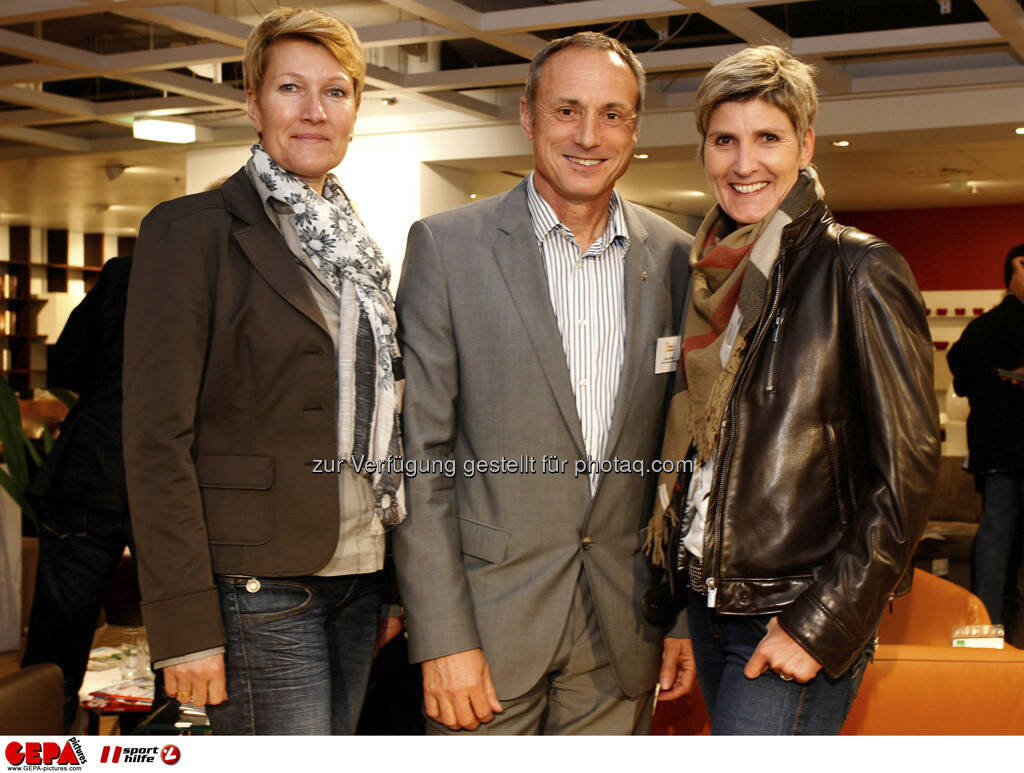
x: 643, y: 276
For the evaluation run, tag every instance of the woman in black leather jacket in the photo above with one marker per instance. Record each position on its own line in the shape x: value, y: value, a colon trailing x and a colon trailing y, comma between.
x: 805, y: 403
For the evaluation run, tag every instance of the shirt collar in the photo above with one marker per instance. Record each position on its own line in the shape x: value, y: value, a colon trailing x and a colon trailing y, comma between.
x: 545, y: 220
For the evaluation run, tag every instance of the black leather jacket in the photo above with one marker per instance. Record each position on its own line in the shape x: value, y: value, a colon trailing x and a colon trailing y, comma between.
x: 829, y: 444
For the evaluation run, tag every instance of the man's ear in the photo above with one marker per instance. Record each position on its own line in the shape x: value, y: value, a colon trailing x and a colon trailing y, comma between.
x: 525, y: 119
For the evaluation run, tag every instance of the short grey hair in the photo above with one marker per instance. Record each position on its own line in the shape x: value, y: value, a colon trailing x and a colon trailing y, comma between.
x: 760, y: 72
x: 595, y: 41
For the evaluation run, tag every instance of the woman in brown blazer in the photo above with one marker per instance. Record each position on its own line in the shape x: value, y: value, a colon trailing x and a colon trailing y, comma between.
x: 259, y: 350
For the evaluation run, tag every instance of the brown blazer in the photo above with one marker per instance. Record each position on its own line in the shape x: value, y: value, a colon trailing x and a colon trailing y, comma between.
x: 229, y: 396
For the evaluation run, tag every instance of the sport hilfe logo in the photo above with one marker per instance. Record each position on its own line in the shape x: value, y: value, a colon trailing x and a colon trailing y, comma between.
x: 168, y: 754
x: 48, y: 753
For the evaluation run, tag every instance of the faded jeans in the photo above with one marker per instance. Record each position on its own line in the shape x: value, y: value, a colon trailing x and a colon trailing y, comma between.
x: 767, y: 705
x: 299, y: 651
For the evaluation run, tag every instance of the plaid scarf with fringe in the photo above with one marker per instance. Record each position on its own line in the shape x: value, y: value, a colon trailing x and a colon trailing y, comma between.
x: 728, y: 270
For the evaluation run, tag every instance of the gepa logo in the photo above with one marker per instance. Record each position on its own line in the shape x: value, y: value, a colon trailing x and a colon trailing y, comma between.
x: 49, y: 753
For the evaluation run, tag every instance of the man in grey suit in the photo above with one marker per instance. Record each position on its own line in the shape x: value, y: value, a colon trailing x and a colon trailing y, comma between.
x: 531, y: 325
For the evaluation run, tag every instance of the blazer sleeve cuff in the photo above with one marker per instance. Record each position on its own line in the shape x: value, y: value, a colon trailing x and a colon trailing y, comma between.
x: 184, y: 625
x: 440, y: 641
x: 680, y: 629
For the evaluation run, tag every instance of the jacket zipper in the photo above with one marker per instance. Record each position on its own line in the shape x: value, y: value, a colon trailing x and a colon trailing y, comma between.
x: 711, y: 557
x: 769, y: 385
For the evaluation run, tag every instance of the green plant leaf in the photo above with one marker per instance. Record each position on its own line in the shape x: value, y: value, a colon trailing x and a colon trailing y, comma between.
x: 65, y: 396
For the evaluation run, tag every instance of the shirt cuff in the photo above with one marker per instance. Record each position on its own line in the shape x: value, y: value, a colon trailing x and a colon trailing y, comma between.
x: 189, y: 657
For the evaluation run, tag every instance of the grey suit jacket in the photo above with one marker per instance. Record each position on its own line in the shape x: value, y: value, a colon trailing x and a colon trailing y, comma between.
x: 490, y: 559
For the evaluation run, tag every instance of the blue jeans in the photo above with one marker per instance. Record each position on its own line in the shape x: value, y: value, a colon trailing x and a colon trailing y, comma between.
x: 1000, y: 540
x: 768, y: 705
x: 79, y: 549
x: 299, y: 651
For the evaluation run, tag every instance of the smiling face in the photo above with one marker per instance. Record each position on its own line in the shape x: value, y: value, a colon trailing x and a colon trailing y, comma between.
x: 305, y: 109
x: 752, y: 157
x: 583, y: 127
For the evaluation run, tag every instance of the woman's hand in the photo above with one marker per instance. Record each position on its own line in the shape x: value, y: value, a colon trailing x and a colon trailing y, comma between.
x: 197, y: 682
x: 779, y: 652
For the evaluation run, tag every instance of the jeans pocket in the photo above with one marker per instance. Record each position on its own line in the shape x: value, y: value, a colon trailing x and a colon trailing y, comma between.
x: 267, y: 599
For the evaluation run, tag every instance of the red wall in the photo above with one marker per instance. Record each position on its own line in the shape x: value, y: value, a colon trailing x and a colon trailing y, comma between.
x: 948, y: 249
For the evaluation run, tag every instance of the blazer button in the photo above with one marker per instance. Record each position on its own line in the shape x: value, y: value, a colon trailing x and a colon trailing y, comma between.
x: 587, y: 543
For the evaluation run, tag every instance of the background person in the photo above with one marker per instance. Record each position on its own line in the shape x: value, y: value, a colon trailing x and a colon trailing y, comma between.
x: 529, y: 327
x: 995, y: 433
x: 805, y: 399
x: 260, y: 336
x: 79, y: 490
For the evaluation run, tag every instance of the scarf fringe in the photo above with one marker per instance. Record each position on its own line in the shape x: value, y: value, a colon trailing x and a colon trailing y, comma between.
x: 691, y: 427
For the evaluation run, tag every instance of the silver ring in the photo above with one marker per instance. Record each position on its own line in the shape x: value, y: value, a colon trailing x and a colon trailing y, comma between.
x: 785, y: 678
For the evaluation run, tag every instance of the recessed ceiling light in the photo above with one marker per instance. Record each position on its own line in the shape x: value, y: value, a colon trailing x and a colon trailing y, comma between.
x: 389, y: 101
x: 472, y: 195
x: 841, y: 143
x: 641, y: 156
x: 164, y: 130
x: 1019, y: 130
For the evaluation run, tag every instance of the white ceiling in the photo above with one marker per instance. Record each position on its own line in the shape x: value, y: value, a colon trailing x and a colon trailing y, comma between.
x: 928, y: 101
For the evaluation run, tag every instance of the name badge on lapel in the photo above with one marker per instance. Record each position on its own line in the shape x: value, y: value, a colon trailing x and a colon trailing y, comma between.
x: 666, y: 356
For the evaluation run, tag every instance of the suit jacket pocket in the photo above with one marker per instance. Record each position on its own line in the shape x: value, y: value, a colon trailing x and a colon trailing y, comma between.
x: 237, y: 498
x: 488, y: 543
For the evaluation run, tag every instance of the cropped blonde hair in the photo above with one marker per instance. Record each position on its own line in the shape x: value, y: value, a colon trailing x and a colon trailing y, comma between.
x: 760, y: 72
x: 329, y: 31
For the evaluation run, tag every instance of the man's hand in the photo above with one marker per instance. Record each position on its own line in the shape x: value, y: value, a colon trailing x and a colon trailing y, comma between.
x: 387, y: 629
x: 458, y: 692
x: 198, y: 682
x: 678, y: 668
x: 779, y: 652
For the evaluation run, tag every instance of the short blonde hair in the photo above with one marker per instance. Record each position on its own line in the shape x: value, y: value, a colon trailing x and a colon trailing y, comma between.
x: 760, y: 72
x: 328, y: 30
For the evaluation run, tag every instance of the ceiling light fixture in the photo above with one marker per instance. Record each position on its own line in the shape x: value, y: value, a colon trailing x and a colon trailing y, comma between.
x: 641, y: 156
x: 1019, y: 130
x: 114, y: 169
x: 164, y: 130
x: 841, y: 143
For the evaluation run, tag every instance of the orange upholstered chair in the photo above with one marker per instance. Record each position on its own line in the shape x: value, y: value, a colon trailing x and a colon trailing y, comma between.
x: 919, y: 683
